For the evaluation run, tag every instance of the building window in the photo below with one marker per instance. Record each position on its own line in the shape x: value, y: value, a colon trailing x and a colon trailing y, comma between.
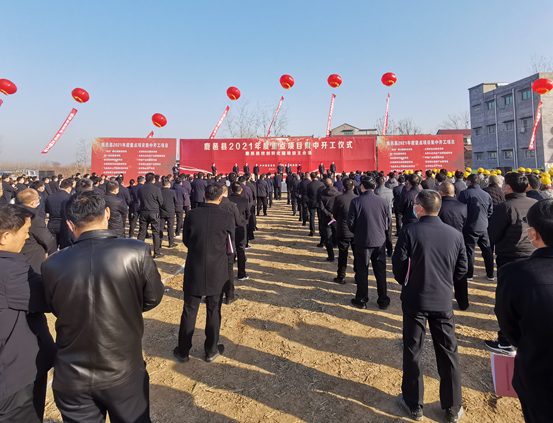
x: 491, y: 105
x: 491, y: 129
x: 477, y: 131
x: 348, y: 132
x: 492, y: 155
x: 525, y: 123
x: 479, y: 156
x: 508, y: 100
x: 529, y: 154
x: 509, y: 126
x: 476, y: 108
x: 508, y: 154
x: 526, y: 94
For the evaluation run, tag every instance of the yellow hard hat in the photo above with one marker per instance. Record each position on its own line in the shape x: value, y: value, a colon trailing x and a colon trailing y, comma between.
x: 493, y: 172
x: 480, y: 170
x: 486, y: 172
x: 449, y: 174
x: 466, y: 174
x: 546, y: 181
x: 498, y: 172
x: 551, y: 171
x: 435, y: 170
x: 433, y: 175
x: 528, y: 170
x: 536, y: 171
x: 544, y: 175
x: 468, y: 169
x: 521, y: 169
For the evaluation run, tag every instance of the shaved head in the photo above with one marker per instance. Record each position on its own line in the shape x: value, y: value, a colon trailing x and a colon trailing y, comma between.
x: 447, y: 189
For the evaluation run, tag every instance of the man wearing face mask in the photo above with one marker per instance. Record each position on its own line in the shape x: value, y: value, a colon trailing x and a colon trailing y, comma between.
x: 524, y: 301
x: 508, y: 233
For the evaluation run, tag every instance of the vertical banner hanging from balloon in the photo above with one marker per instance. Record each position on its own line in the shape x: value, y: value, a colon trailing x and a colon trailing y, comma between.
x: 532, y: 145
x: 60, y: 132
x: 330, y: 115
x: 150, y: 135
x: 276, y: 114
x: 386, y: 116
x: 219, y: 123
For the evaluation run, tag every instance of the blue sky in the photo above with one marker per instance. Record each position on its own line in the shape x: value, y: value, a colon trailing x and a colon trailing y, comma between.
x: 139, y: 57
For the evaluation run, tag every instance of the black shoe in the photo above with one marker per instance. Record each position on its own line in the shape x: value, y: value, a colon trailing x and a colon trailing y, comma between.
x: 330, y: 259
x: 320, y: 245
x: 341, y: 281
x: 210, y: 358
x: 463, y: 307
x: 358, y: 304
x: 414, y: 413
x: 384, y: 307
x: 265, y: 214
x: 179, y: 357
x: 230, y: 300
x: 303, y: 224
x: 496, y: 347
x: 454, y: 414
x: 158, y: 255
x: 173, y: 245
x: 311, y: 234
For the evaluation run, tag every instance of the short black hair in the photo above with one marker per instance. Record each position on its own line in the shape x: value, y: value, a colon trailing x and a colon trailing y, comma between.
x: 459, y: 174
x: 140, y: 179
x: 517, y: 181
x: 236, y: 187
x: 534, y: 181
x: 540, y: 217
x: 112, y: 186
x: 368, y: 182
x: 150, y: 177
x: 428, y: 173
x: 36, y: 185
x: 66, y: 183
x: 380, y: 180
x: 414, y: 180
x: 313, y: 175
x: 178, y: 180
x: 84, y: 184
x: 429, y: 200
x: 440, y: 177
x: 474, y: 179
x: 401, y: 179
x: 12, y: 218
x: 348, y: 184
x: 213, y: 192
x: 85, y: 207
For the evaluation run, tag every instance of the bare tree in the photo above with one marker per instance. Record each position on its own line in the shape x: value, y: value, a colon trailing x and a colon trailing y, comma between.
x: 246, y: 121
x: 83, y: 153
x: 267, y: 113
x: 390, y: 129
x: 540, y: 64
x: 459, y: 120
x: 407, y: 126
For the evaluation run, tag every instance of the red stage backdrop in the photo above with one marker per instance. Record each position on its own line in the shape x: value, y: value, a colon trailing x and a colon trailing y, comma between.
x: 349, y: 153
x: 414, y: 152
x: 133, y: 156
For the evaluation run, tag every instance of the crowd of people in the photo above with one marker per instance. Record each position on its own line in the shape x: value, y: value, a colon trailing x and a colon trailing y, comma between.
x: 67, y: 248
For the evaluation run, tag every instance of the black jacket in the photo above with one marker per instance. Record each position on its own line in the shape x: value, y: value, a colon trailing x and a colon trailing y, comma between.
x: 326, y: 203
x: 496, y: 192
x: 280, y: 169
x: 262, y: 188
x: 294, y: 187
x: 536, y: 195
x: 98, y: 289
x: 432, y: 255
x: 169, y: 205
x: 321, y: 169
x: 507, y: 230
x: 313, y: 190
x: 479, y: 208
x: 150, y: 198
x: 206, y: 234
x: 125, y: 195
x: 54, y: 186
x: 277, y: 181
x: 303, y: 190
x: 340, y: 211
x: 523, y: 306
x: 453, y: 213
x: 230, y: 206
x: 214, y: 170
x: 256, y: 170
x: 459, y: 185
x: 9, y: 192
x: 118, y: 212
x: 181, y: 196
x: 236, y: 169
x: 198, y: 190
x: 53, y: 208
x: 135, y: 198
x: 333, y: 168
x: 241, y: 234
x: 369, y: 218
x: 246, y: 169
x: 288, y: 170
x: 406, y: 202
x: 40, y: 242
x: 397, y: 190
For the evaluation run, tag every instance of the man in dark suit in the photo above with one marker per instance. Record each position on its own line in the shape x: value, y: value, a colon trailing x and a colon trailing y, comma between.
x: 8, y: 189
x: 134, y: 208
x: 293, y: 193
x: 321, y: 168
x: 262, y: 194
x: 369, y: 218
x: 533, y: 190
x: 289, y: 178
x: 397, y: 190
x: 277, y: 183
x: 125, y: 195
x: 524, y: 301
x: 429, y: 182
x: 167, y: 213
x: 117, y: 210
x: 236, y: 169
x: 213, y: 169
x: 271, y: 188
x: 304, y: 199
x: 231, y: 207
x: 312, y: 192
x: 182, y: 199
x: 241, y: 236
x: 280, y: 168
x: 256, y: 172
x: 479, y: 210
x: 150, y: 207
x: 288, y: 169
x: 459, y: 184
x: 246, y: 169
x: 427, y: 270
x: 407, y: 199
x: 333, y: 168
x: 54, y: 185
x: 198, y: 188
x: 383, y: 191
x: 340, y: 211
x: 325, y: 205
x: 53, y: 207
x: 209, y: 236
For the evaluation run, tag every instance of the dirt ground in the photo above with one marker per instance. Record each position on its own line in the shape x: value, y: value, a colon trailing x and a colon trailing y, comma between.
x: 296, y: 351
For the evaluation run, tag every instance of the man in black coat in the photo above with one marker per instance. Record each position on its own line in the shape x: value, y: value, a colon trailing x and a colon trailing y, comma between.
x: 125, y: 195
x: 321, y: 168
x: 24, y: 331
x: 304, y: 199
x: 426, y: 270
x: 230, y: 206
x: 369, y: 218
x: 479, y: 210
x: 213, y: 169
x: 66, y: 236
x: 8, y: 189
x: 288, y: 169
x: 397, y: 190
x: 241, y: 236
x: 524, y: 302
x: 340, y: 211
x: 256, y: 172
x: 151, y: 201
x: 54, y: 184
x: 117, y: 209
x: 328, y: 223
x: 181, y: 197
x: 459, y: 184
x: 383, y: 191
x: 533, y: 190
x: 454, y: 214
x: 198, y: 189
x: 53, y: 207
x: 167, y: 213
x: 280, y: 168
x: 134, y: 208
x: 407, y: 200
x: 312, y: 192
x: 98, y: 290
x: 293, y: 193
x: 289, y: 178
x: 236, y: 169
x: 246, y: 168
x: 252, y: 222
x: 333, y: 168
x: 277, y: 183
x: 262, y: 194
x: 209, y: 236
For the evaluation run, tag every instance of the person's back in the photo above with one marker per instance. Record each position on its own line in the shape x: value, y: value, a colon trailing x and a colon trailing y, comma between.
x: 479, y: 206
x: 459, y: 184
x: 118, y: 210
x: 384, y: 192
x: 150, y: 198
x: 407, y: 200
x: 452, y: 212
x: 168, y: 207
x: 198, y: 190
x: 368, y: 218
x: 313, y: 190
x: 495, y: 191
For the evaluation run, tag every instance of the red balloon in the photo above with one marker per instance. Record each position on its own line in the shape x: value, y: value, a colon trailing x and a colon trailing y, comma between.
x: 334, y: 80
x: 159, y: 120
x: 233, y: 93
x: 286, y: 81
x: 7, y: 87
x: 542, y: 86
x: 80, y: 95
x: 389, y: 79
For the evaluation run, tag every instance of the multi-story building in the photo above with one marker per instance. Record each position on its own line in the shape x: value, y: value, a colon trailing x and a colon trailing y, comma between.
x: 502, y: 117
x: 347, y: 129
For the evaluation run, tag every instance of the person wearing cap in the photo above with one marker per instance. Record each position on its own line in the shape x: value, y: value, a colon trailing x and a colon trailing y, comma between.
x: 524, y: 301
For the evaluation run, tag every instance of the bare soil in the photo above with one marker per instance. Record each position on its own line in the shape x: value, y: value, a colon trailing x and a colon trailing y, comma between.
x: 296, y: 351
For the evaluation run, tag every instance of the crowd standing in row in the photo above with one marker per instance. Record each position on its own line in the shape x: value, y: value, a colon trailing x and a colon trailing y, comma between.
x: 87, y: 284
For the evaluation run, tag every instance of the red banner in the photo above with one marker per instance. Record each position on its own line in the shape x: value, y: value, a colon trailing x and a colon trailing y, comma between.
x: 60, y: 132
x: 330, y: 115
x: 535, y: 129
x: 348, y: 153
x: 150, y: 135
x: 219, y: 123
x: 276, y: 114
x: 386, y: 116
x: 133, y: 156
x: 420, y: 152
